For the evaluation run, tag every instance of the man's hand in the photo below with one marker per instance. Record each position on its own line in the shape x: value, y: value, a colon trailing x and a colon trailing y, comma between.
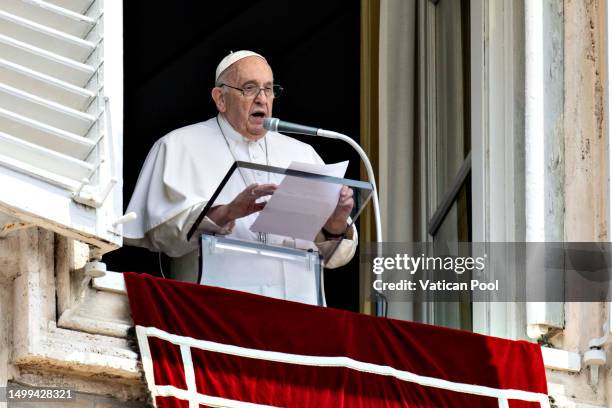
x: 336, y: 224
x: 244, y: 204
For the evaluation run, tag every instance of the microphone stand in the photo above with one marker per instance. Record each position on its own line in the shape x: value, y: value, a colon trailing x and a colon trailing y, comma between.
x: 381, y: 301
x: 366, y: 161
x: 273, y: 124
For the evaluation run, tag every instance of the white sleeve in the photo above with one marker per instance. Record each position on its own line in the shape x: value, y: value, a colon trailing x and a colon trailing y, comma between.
x: 170, y: 237
x: 345, y: 252
x: 347, y: 247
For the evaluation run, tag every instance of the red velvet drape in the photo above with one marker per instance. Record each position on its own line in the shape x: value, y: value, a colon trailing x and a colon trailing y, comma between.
x: 256, y: 322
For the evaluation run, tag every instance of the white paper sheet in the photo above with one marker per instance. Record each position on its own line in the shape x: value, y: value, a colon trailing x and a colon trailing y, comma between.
x: 301, y: 206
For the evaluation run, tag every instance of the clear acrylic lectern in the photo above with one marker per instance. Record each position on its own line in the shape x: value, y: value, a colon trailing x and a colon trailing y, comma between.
x: 281, y: 261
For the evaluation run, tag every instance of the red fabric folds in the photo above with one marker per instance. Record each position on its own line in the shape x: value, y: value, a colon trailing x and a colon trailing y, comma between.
x: 258, y: 323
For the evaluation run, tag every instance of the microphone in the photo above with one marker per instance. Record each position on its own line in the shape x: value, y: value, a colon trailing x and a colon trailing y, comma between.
x: 277, y: 125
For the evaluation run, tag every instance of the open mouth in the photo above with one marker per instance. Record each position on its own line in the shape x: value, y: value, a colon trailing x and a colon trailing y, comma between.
x: 257, y: 118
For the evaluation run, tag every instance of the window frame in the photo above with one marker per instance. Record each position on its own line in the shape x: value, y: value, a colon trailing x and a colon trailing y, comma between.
x: 496, y: 131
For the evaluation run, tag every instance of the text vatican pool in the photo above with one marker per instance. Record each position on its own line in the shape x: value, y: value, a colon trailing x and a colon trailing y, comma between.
x: 439, y: 285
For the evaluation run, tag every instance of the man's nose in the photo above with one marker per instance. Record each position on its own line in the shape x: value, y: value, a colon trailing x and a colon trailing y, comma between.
x: 261, y: 96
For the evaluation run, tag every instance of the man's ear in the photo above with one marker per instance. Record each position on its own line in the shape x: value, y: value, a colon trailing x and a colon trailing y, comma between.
x: 219, y: 98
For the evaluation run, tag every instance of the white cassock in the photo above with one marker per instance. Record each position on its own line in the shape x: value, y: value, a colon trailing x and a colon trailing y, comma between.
x: 179, y: 176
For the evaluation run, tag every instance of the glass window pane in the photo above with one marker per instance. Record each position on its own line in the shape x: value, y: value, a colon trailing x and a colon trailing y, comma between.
x: 452, y: 87
x: 456, y: 228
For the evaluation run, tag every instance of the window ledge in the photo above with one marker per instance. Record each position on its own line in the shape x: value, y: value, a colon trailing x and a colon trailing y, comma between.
x: 561, y: 360
x: 111, y: 282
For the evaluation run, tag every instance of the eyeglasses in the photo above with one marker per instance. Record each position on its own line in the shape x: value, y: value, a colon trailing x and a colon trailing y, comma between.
x: 251, y: 90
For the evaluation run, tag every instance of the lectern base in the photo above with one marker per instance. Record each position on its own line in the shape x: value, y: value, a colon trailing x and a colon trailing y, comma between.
x: 263, y: 269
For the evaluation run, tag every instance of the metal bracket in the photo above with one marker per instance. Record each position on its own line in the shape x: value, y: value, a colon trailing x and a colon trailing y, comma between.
x: 124, y: 219
x: 595, y: 357
x: 600, y: 341
x: 91, y: 199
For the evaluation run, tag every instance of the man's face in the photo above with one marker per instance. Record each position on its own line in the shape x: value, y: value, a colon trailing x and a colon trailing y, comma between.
x: 246, y: 114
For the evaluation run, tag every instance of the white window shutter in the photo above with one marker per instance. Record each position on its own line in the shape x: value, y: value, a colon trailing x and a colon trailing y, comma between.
x: 61, y: 111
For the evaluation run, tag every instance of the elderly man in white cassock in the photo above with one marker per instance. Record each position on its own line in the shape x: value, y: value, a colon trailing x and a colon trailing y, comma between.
x: 184, y: 168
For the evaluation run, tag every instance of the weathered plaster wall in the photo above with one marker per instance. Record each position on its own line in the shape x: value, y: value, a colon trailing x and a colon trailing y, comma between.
x: 585, y: 145
x: 585, y: 184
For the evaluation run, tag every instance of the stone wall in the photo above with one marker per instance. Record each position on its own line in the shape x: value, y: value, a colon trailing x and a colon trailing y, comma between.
x: 56, y: 330
x: 585, y: 188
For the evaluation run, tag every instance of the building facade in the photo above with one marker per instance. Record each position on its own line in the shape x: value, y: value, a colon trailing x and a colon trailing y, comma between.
x: 487, y: 121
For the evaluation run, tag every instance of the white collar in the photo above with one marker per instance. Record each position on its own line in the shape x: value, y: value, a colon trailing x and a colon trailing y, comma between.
x: 233, y: 136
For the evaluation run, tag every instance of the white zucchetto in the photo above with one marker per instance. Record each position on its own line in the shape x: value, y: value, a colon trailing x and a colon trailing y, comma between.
x: 232, y: 58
